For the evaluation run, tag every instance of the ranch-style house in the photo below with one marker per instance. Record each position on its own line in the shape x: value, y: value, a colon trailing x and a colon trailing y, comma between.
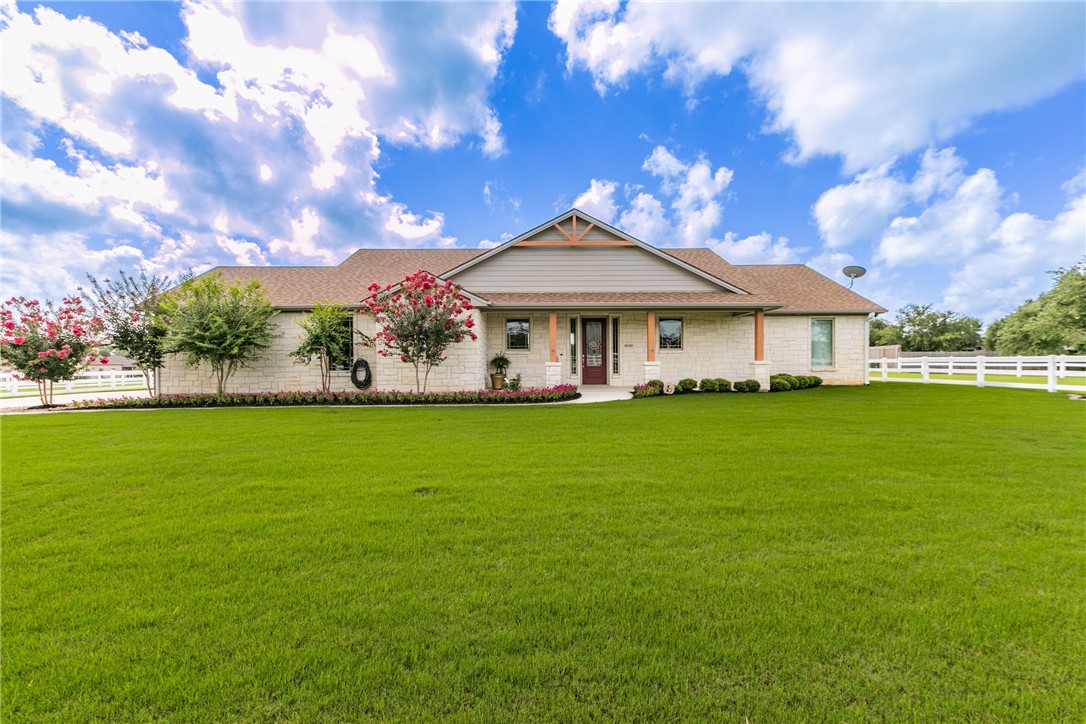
x: 576, y: 301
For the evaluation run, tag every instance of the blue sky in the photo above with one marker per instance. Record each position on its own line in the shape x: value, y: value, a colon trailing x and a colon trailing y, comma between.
x: 941, y: 146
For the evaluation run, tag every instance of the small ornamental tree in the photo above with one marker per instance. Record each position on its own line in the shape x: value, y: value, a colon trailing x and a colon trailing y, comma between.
x: 327, y: 338
x: 224, y: 326
x: 418, y: 320
x: 46, y: 344
x: 131, y: 308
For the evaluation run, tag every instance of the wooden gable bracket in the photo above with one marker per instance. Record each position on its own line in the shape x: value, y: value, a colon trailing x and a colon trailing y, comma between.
x: 576, y: 239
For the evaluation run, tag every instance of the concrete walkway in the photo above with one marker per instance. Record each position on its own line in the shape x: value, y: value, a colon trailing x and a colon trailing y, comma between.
x: 600, y: 393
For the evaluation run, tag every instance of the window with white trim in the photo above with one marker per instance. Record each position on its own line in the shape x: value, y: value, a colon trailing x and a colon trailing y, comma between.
x: 343, y: 357
x: 671, y: 333
x: 517, y: 334
x: 821, y: 343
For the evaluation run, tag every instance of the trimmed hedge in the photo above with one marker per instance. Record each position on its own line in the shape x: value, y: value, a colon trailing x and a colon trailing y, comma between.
x: 685, y: 385
x: 369, y: 397
x: 748, y: 386
x: 784, y: 382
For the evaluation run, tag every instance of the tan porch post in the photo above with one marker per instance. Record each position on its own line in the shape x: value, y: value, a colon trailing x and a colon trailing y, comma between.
x: 554, y: 336
x: 650, y: 324
x: 552, y: 367
x: 759, y: 336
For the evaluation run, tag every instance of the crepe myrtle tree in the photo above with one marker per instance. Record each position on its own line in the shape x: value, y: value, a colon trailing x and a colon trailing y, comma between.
x: 225, y: 326
x: 418, y: 320
x: 131, y: 309
x: 46, y: 343
x: 326, y: 337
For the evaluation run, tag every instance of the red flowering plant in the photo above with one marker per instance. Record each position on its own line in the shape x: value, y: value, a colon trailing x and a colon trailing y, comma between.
x: 48, y: 344
x: 417, y: 320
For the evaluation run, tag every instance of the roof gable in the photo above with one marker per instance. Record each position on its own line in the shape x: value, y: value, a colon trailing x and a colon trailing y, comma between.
x: 577, y: 230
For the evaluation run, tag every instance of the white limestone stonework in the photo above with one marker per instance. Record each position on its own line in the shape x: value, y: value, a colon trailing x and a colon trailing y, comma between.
x: 788, y: 347
x: 275, y: 371
x: 715, y: 344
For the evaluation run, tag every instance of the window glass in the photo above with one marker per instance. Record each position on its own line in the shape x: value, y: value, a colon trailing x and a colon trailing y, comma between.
x: 821, y: 342
x: 516, y: 334
x: 573, y: 346
x: 343, y: 357
x: 614, y: 346
x: 671, y: 333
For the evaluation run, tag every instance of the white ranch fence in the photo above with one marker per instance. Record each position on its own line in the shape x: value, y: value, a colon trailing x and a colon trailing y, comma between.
x: 1055, y: 373
x: 106, y: 380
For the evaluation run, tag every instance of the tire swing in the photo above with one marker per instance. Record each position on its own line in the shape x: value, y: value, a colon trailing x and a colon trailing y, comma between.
x: 361, y: 376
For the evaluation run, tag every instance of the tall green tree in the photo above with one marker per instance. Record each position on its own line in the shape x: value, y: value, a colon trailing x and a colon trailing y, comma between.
x: 926, y: 329
x: 131, y: 310
x: 225, y: 326
x: 1053, y: 323
x: 883, y: 333
x: 327, y: 339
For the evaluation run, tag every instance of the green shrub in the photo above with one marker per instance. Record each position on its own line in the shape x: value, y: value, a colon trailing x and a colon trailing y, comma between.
x: 685, y: 385
x: 815, y: 381
x: 648, y: 390
x: 778, y: 383
x: 659, y: 384
x: 802, y: 381
x: 789, y: 379
x: 723, y: 385
x: 747, y: 386
x: 707, y: 385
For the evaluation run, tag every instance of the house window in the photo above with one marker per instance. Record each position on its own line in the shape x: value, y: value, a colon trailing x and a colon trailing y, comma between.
x: 516, y: 334
x: 572, y: 345
x: 343, y: 357
x: 614, y: 345
x: 671, y: 333
x: 821, y: 343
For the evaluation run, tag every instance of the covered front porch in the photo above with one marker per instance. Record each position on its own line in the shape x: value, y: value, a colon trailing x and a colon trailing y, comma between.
x: 623, y: 346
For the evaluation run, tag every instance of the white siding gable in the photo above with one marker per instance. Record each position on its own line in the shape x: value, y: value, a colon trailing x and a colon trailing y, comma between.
x: 579, y: 269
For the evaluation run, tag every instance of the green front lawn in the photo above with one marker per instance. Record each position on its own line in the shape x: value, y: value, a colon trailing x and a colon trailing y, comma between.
x: 896, y: 552
x: 1039, y: 380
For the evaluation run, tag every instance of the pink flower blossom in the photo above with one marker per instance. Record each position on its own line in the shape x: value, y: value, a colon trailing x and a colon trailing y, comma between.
x: 9, y: 325
x: 104, y: 360
x: 19, y: 340
x: 63, y: 354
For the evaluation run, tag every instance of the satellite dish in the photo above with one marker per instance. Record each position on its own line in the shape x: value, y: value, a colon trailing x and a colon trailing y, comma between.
x: 853, y: 273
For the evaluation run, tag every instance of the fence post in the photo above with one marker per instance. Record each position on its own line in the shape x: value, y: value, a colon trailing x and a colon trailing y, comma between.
x: 924, y: 373
x: 980, y: 371
x: 112, y: 380
x: 1053, y: 369
x: 1063, y: 365
x: 1018, y: 367
x: 950, y: 366
x: 885, y: 366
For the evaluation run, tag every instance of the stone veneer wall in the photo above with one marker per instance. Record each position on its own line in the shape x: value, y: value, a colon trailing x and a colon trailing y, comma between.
x: 276, y: 371
x: 715, y: 344
x: 465, y: 368
x: 788, y: 347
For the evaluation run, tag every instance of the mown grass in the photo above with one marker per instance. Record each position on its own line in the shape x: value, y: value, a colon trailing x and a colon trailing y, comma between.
x: 899, y: 552
x: 1039, y: 380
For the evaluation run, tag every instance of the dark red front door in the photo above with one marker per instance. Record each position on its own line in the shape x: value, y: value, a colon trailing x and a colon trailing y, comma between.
x: 594, y: 356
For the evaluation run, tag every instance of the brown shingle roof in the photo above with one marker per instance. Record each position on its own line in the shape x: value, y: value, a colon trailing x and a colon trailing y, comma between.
x: 798, y: 287
x: 729, y: 300
x: 785, y: 288
x: 290, y: 287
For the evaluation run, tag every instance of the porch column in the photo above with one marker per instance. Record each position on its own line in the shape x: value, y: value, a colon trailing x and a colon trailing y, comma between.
x: 759, y: 336
x: 553, y: 369
x: 554, y: 336
x: 650, y: 368
x: 759, y: 368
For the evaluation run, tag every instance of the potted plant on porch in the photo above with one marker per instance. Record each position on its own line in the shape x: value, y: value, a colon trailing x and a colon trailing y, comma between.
x: 500, y: 363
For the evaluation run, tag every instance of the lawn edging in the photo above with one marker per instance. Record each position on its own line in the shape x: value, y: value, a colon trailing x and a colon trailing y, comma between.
x: 531, y: 395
